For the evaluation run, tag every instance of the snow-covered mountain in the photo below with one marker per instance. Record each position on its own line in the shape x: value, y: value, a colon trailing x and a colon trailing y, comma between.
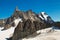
x: 45, y: 17
x: 22, y: 24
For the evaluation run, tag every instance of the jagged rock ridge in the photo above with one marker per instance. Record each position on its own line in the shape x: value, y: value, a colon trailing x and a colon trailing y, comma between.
x: 31, y: 23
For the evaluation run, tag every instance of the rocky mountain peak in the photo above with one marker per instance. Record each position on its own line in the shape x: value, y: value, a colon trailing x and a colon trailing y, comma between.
x: 44, y: 13
x: 45, y: 17
x: 16, y: 9
x: 27, y: 23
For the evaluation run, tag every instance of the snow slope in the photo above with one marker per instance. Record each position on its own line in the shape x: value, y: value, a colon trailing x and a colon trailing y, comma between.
x: 46, y: 34
x: 9, y: 32
x: 44, y: 16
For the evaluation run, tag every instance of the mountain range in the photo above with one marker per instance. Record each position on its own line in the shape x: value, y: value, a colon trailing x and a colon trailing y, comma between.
x: 26, y: 23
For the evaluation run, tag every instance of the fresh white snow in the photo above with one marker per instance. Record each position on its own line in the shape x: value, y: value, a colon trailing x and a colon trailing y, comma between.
x: 46, y: 34
x: 9, y: 32
x: 6, y: 33
x: 17, y: 21
x: 41, y: 17
x: 44, y: 15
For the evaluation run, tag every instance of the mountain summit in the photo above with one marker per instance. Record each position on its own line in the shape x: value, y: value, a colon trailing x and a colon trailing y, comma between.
x: 26, y: 23
x: 45, y: 17
x: 31, y: 23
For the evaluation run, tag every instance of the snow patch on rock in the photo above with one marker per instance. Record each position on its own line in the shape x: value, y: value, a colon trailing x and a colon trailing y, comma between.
x: 9, y: 32
x: 44, y: 15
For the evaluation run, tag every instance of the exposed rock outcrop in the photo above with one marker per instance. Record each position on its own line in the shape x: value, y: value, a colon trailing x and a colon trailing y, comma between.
x: 31, y: 23
x: 27, y: 28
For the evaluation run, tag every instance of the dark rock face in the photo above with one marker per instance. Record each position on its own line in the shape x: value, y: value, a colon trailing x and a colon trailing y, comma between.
x: 18, y: 31
x: 23, y: 30
x: 31, y: 23
x: 24, y: 15
x: 13, y: 24
x: 2, y: 22
x: 7, y: 26
x: 27, y: 28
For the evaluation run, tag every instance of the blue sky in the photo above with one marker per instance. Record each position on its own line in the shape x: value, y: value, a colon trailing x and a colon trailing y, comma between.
x: 51, y: 7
